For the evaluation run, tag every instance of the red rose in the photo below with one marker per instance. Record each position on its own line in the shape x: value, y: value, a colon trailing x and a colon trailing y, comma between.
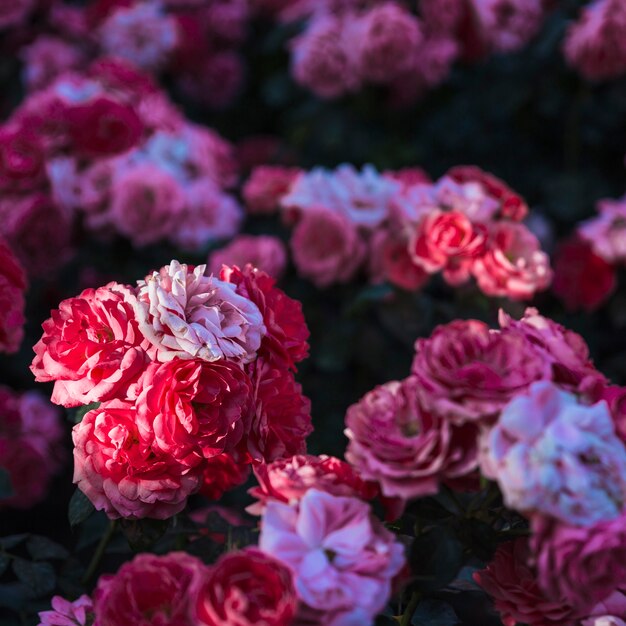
x: 12, y: 287
x: 103, y: 127
x: 222, y: 473
x: 246, y: 588
x: 193, y: 409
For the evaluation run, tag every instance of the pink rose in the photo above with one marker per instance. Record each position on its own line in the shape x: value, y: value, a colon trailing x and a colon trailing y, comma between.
x: 389, y: 37
x: 119, y: 471
x: 15, y: 13
x: 188, y: 315
x: 263, y: 251
x: 512, y: 583
x: 12, y: 288
x: 447, y: 241
x: 513, y: 264
x: 22, y: 160
x: 553, y: 455
x: 265, y: 187
x: 65, y: 613
x: 342, y: 558
x: 408, y: 451
x: 467, y: 372
x: 582, y: 565
x: 150, y: 590
x: 91, y: 347
x: 246, y: 588
x: 287, y: 480
x: 326, y: 247
x: 194, y: 409
x: 607, y: 231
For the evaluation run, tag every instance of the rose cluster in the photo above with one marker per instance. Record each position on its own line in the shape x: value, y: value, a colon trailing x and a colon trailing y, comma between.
x: 402, y: 228
x: 106, y: 144
x: 30, y: 445
x: 346, y: 45
x: 193, y: 380
x: 12, y: 286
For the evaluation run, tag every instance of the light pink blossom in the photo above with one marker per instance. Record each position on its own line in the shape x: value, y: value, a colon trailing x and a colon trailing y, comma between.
x: 607, y: 231
x: 66, y: 613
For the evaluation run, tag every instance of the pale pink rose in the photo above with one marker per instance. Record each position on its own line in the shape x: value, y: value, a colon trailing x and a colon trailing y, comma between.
x: 467, y: 372
x: 288, y: 479
x: 607, y: 231
x: 342, y: 558
x: 447, y: 241
x: 408, y: 451
x: 326, y: 247
x: 265, y: 252
x: 91, y: 347
x: 323, y: 58
x: 513, y: 265
x: 389, y: 37
x: 48, y: 57
x: 193, y: 409
x: 595, y: 44
x: 150, y: 590
x: 552, y: 454
x: 364, y: 197
x: 605, y: 613
x: 141, y: 33
x: 188, y: 315
x: 266, y: 186
x: 119, y: 471
x: 209, y: 214
x: 512, y: 584
x: 604, y: 620
x: 583, y: 565
x: 14, y: 12
x: 146, y: 203
x: 66, y: 613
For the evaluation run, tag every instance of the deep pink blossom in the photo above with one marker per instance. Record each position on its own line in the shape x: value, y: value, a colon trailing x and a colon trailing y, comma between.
x: 12, y: 287
x: 265, y: 252
x: 66, y: 613
x: 266, y: 186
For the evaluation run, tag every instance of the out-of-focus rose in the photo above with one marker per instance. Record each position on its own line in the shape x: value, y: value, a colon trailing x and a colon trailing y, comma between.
x: 326, y: 247
x: 285, y: 342
x: 606, y: 232
x: 583, y: 565
x: 103, y: 127
x: 407, y: 450
x: 266, y: 186
x: 66, y: 613
x: 513, y: 265
x: 467, y: 372
x: 91, y: 347
x: 582, y: 279
x: 150, y: 590
x: 287, y: 480
x: 512, y: 584
x: 119, y: 471
x: 263, y: 251
x: 13, y: 13
x: 342, y: 558
x: 193, y: 408
x: 188, y: 315
x: 389, y: 37
x: 21, y: 160
x: 281, y: 415
x: 246, y: 588
x: 12, y: 287
x: 553, y: 455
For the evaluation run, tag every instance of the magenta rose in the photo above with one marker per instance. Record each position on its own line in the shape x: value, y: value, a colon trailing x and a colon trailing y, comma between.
x: 192, y: 408
x: 265, y: 187
x: 246, y: 588
x: 12, y: 287
x: 511, y: 582
x: 22, y: 166
x: 150, y: 590
x: 119, y: 471
x: 326, y: 247
x: 467, y: 372
x: 91, y: 347
x: 287, y: 480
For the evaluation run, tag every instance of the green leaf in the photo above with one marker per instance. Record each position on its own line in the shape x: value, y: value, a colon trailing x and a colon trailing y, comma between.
x: 6, y: 488
x: 42, y: 548
x: 81, y: 411
x: 80, y: 508
x: 39, y: 577
x: 436, y: 558
x: 4, y: 563
x: 431, y: 612
x: 144, y: 533
x: 10, y: 541
x: 15, y: 596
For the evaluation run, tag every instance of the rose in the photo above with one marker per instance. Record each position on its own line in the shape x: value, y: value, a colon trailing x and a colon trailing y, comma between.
x: 265, y: 187
x: 264, y: 252
x: 21, y: 160
x: 12, y: 287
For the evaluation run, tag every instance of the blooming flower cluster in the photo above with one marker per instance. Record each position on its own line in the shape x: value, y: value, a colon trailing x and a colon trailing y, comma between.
x: 12, y: 287
x: 192, y: 373
x: 108, y: 145
x: 403, y: 228
x: 30, y: 445
x: 346, y: 45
